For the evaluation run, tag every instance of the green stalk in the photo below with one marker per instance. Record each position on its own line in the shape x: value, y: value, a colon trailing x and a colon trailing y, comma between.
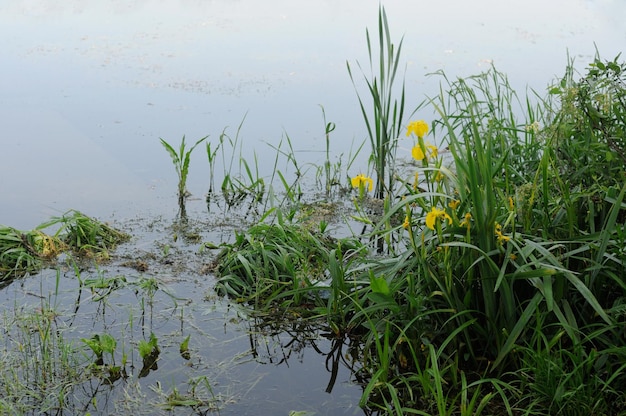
x: 181, y: 160
x: 384, y: 119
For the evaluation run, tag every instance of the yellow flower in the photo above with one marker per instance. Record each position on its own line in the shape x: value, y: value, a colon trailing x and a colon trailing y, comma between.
x: 406, y: 223
x: 454, y: 203
x: 432, y: 216
x: 417, y: 153
x: 419, y: 128
x: 416, y: 180
x: 466, y: 221
x: 432, y: 150
x: 501, y: 237
x: 361, y: 180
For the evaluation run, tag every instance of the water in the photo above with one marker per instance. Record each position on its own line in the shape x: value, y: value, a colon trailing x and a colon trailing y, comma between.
x: 89, y: 87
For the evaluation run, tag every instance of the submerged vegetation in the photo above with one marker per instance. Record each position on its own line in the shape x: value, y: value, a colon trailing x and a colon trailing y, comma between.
x: 484, y: 276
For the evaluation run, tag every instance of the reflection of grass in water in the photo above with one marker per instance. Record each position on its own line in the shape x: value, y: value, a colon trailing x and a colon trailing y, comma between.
x: 44, y: 366
x: 39, y: 366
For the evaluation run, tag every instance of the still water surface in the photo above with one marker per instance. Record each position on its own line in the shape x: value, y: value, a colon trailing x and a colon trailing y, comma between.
x: 88, y: 87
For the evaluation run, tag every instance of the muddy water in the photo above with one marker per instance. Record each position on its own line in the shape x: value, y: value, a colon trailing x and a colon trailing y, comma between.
x: 88, y: 88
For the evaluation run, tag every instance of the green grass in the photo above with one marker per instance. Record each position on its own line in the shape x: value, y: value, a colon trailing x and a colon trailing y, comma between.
x: 268, y: 260
x: 181, y: 159
x: 383, y: 115
x: 23, y: 252
x: 502, y: 291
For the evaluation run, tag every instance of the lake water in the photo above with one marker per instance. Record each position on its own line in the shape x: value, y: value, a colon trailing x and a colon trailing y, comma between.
x: 89, y: 87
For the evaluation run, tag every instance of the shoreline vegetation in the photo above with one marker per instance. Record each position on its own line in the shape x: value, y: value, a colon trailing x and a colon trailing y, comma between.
x: 484, y: 277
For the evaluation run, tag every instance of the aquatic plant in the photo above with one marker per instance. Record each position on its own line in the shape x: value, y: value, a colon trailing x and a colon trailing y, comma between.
x: 270, y: 259
x: 383, y: 119
x: 39, y: 363
x: 149, y: 352
x: 490, y: 285
x: 86, y: 235
x: 237, y: 185
x: 24, y: 252
x: 181, y: 160
x: 100, y: 344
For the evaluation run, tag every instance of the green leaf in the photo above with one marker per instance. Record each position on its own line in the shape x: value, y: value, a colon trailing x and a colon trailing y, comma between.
x: 94, y: 344
x: 184, y: 348
x: 379, y: 285
x: 519, y: 327
x: 144, y: 348
x: 108, y: 343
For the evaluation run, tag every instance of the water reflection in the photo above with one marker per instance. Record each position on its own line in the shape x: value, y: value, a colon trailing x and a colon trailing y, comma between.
x: 280, y: 342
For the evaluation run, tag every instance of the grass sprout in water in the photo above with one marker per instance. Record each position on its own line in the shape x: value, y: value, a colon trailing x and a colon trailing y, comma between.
x: 181, y: 161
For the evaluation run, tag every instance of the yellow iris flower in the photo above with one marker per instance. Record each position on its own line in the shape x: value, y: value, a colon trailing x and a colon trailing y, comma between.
x: 432, y: 216
x: 466, y: 220
x: 361, y: 180
x: 418, y: 154
x: 501, y: 237
x: 419, y: 128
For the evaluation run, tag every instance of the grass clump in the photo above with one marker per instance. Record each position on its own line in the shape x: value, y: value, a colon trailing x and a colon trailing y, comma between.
x: 270, y: 260
x: 86, y: 235
x: 508, y: 275
x: 384, y: 118
x: 23, y: 252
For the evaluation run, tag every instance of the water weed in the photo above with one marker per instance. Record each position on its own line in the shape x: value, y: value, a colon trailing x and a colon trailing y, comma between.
x: 268, y: 260
x: 181, y: 160
x: 384, y: 119
x: 88, y: 236
x: 489, y: 260
x: 24, y: 252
